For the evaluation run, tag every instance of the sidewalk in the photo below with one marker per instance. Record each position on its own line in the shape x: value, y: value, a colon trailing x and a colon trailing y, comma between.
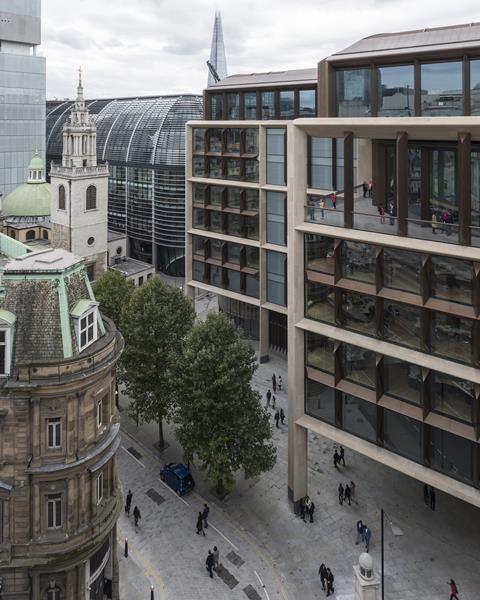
x: 286, y: 552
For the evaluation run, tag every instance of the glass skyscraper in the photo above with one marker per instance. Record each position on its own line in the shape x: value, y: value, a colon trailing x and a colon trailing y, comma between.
x: 22, y: 90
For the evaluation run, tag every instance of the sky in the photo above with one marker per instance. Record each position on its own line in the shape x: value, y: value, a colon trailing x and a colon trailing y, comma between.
x: 143, y: 47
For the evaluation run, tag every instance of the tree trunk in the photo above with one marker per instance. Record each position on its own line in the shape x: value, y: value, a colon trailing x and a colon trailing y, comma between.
x: 220, y: 488
x: 161, y: 440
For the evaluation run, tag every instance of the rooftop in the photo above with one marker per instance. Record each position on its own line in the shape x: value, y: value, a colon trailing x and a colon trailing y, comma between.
x: 271, y: 78
x: 115, y: 235
x: 131, y: 266
x: 46, y: 261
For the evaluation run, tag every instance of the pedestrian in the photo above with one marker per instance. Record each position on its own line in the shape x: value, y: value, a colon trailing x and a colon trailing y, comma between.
x: 434, y: 223
x: 370, y: 188
x: 136, y: 516
x: 453, y: 590
x: 200, y: 524
x: 209, y: 563
x: 367, y: 534
x: 269, y: 395
x: 273, y: 401
x: 381, y: 212
x: 322, y: 208
x: 322, y: 571
x: 341, y: 492
x: 274, y: 383
x: 206, y: 510
x: 432, y: 498
x: 334, y: 200
x: 308, y: 506
x: 280, y: 383
x: 365, y: 189
x: 342, y: 455
x: 311, y: 510
x: 353, y: 488
x: 128, y: 503
x: 347, y: 495
x: 302, y: 509
x: 330, y: 580
x: 391, y: 212
x: 282, y: 416
x: 277, y: 418
x: 216, y: 558
x: 360, y: 530
x: 336, y: 458
x: 426, y: 495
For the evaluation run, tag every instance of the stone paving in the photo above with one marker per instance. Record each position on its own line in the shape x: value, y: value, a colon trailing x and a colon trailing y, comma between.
x: 286, y: 552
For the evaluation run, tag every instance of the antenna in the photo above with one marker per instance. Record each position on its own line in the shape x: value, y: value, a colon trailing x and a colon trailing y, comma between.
x: 213, y: 71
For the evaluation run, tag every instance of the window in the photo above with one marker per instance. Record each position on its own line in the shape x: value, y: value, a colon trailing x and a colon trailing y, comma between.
x: 140, y: 281
x: 475, y: 87
x: 306, y: 102
x: 61, y: 197
x: 402, y: 380
x: 358, y: 365
x: 90, y: 241
x: 359, y: 417
x: 319, y: 302
x: 402, y: 324
x: 250, y: 105
x: 451, y: 454
x: 268, y: 105
x: 451, y: 336
x: 402, y: 435
x: 276, y: 278
x: 452, y: 279
x: 216, y: 107
x: 91, y: 203
x: 319, y: 253
x: 358, y: 261
x: 5, y: 351
x: 276, y: 218
x: 215, y: 140
x: 30, y: 235
x: 233, y: 107
x: 198, y: 140
x: 358, y: 313
x: 99, y: 413
x: 54, y: 511
x: 442, y: 89
x: 353, y: 92
x: 54, y: 433
x: 87, y: 329
x: 251, y: 141
x: 321, y: 163
x: 452, y: 396
x: 395, y: 91
x: 287, y: 98
x: 232, y: 141
x: 319, y: 352
x: 276, y: 156
x: 401, y: 270
x: 320, y: 401
x: 99, y: 486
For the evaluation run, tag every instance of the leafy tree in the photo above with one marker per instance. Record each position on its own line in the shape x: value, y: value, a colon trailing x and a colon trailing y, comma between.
x: 113, y: 292
x: 155, y: 324
x: 219, y: 416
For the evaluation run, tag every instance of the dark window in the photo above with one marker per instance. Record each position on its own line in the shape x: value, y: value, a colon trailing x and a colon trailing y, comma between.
x: 45, y: 234
x: 442, y: 89
x: 30, y: 235
x: 251, y: 170
x: 276, y: 156
x: 319, y: 253
x: 234, y: 225
x: 251, y: 200
x: 401, y: 270
x: 251, y: 257
x: 216, y: 249
x: 198, y: 218
x: 215, y: 168
x: 198, y: 245
x: 452, y: 279
x: 451, y: 337
x: 3, y: 351
x: 353, y: 92
x: 199, y: 193
x: 215, y: 221
x: 251, y: 141
x: 232, y: 141
x: 307, y: 106
x: 233, y: 106
x: 402, y: 380
x: 276, y: 218
x: 54, y: 511
x: 198, y: 271
x: 319, y: 302
x: 216, y: 102
x: 451, y: 454
x: 321, y: 160
x: 234, y: 197
x: 216, y: 195
x: 358, y: 365
x: 287, y: 98
x: 232, y: 168
x: 358, y: 261
x: 319, y: 352
x: 358, y: 312
x: 402, y: 324
x: 140, y: 281
x: 475, y: 87
x: 233, y: 253
x: 215, y: 140
x: 54, y: 433
x: 359, y: 417
x: 198, y: 166
x: 251, y: 228
x: 233, y: 280
x: 396, y: 91
x: 91, y: 241
x: 268, y: 105
x: 252, y: 286
x: 91, y: 198
x: 250, y: 105
x: 402, y: 435
x: 452, y: 396
x: 276, y: 278
x: 198, y: 140
x: 61, y: 197
x: 320, y: 401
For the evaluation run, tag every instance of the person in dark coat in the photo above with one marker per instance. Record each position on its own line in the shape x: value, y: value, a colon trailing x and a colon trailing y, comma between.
x: 432, y: 498
x: 367, y: 534
x: 342, y: 455
x: 336, y: 458
x: 365, y: 189
x: 205, y: 512
x: 128, y: 502
x: 330, y: 579
x: 274, y: 383
x: 274, y: 400
x: 200, y: 524
x: 322, y: 571
x: 453, y: 590
x: 209, y: 563
x: 282, y: 416
x: 347, y: 495
x: 341, y: 492
x: 302, y: 509
x: 269, y: 395
x: 360, y: 531
x: 426, y: 495
x: 277, y: 418
x: 311, y: 510
x: 136, y: 516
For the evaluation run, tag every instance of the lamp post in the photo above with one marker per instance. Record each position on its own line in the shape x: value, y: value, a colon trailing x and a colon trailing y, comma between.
x: 383, y: 555
x: 152, y: 595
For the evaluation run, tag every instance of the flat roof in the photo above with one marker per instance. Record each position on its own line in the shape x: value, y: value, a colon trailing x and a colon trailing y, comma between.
x: 270, y: 78
x: 115, y: 235
x: 51, y: 259
x: 131, y: 266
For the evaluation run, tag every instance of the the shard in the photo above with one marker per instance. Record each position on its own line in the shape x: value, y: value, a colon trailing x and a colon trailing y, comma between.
x: 218, y: 59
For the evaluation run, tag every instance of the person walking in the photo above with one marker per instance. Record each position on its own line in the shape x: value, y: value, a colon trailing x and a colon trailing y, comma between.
x: 353, y: 488
x: 360, y: 529
x: 432, y: 498
x: 280, y: 383
x: 302, y: 509
x: 274, y: 400
x: 381, y: 212
x: 334, y: 200
x: 330, y: 579
x: 322, y: 571
x: 282, y: 416
x: 216, y: 558
x: 434, y: 223
x: 311, y: 510
x: 347, y: 495
x: 341, y: 492
x: 367, y: 533
x: 205, y: 512
x: 426, y: 495
x: 274, y: 383
x: 322, y: 208
x: 200, y: 524
x: 365, y: 189
x: 453, y: 590
x: 342, y: 455
x: 277, y: 418
x: 136, y: 516
x: 336, y: 458
x: 269, y: 396
x: 209, y: 563
x: 128, y: 503
x: 370, y: 188
x: 308, y: 506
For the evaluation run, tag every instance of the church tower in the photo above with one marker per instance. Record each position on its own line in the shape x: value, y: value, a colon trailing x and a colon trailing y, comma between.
x: 79, y: 189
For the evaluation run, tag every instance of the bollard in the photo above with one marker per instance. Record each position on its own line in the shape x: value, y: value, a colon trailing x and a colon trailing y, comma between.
x: 126, y: 548
x: 152, y: 597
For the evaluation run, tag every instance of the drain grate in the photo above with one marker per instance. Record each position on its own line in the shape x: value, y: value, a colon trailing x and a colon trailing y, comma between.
x: 252, y: 593
x: 235, y: 559
x: 155, y: 496
x: 226, y: 577
x: 134, y: 453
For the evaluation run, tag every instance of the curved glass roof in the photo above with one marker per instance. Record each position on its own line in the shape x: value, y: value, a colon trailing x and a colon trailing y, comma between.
x: 138, y: 131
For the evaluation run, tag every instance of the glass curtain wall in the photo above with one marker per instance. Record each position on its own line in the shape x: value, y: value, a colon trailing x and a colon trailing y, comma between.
x: 396, y: 91
x: 442, y: 89
x: 353, y: 92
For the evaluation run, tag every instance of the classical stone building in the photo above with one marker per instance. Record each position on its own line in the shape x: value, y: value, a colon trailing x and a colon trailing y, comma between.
x: 59, y: 493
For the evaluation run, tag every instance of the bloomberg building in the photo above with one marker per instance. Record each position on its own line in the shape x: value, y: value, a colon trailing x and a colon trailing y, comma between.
x: 22, y: 90
x: 143, y: 140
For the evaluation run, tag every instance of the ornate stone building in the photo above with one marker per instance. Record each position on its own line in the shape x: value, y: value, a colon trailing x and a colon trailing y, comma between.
x: 59, y: 432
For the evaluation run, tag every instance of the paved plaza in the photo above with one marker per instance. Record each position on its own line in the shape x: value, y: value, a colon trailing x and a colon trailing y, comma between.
x: 263, y: 544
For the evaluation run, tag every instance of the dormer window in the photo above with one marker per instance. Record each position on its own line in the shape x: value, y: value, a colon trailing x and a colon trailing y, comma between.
x: 85, y: 315
x: 7, y: 321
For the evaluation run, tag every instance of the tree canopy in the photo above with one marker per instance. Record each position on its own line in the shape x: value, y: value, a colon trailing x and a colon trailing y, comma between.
x: 155, y: 323
x: 219, y: 416
x: 113, y: 292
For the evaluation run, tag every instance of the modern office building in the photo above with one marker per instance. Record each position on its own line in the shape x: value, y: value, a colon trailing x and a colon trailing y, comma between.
x: 59, y: 490
x: 22, y: 90
x: 382, y: 284
x: 143, y: 140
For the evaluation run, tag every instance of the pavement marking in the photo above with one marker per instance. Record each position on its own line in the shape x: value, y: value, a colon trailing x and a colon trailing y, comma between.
x: 131, y: 456
x: 263, y: 587
x: 224, y: 537
x: 175, y: 494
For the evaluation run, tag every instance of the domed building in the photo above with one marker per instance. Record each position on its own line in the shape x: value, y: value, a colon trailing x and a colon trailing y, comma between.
x: 26, y: 210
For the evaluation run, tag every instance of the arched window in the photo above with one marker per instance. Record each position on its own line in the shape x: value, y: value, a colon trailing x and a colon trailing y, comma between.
x: 91, y: 202
x: 30, y: 235
x: 45, y: 234
x: 61, y: 197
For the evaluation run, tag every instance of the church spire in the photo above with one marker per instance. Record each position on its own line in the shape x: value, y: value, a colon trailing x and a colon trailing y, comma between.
x: 217, y: 53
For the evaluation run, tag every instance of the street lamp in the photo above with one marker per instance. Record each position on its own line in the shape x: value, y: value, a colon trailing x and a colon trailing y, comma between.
x: 151, y: 593
x: 396, y: 531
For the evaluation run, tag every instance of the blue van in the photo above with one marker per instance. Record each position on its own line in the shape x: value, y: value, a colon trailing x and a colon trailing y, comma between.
x: 178, y: 477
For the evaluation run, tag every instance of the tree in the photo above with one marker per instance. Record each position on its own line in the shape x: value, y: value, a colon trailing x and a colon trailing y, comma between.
x: 113, y: 292
x: 154, y: 324
x: 219, y: 416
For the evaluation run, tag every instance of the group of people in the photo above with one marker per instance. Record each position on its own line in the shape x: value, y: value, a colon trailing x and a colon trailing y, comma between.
x: 364, y: 533
x: 339, y: 457
x: 326, y: 579
x: 212, y: 561
x: 429, y: 496
x: 136, y: 512
x: 367, y: 189
x: 274, y: 383
x: 347, y: 493
x: 445, y: 221
x: 202, y: 519
x: 307, y: 507
x: 279, y: 415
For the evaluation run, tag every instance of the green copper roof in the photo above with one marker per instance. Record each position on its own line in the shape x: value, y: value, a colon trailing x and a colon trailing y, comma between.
x: 28, y: 200
x: 36, y: 163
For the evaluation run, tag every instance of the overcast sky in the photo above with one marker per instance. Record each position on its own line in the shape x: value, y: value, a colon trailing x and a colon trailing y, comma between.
x: 141, y: 47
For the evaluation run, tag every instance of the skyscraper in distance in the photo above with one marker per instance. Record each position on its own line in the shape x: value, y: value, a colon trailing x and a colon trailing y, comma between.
x: 217, y: 53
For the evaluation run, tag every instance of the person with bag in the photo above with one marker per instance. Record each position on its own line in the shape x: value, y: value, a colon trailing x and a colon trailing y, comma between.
x: 209, y: 563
